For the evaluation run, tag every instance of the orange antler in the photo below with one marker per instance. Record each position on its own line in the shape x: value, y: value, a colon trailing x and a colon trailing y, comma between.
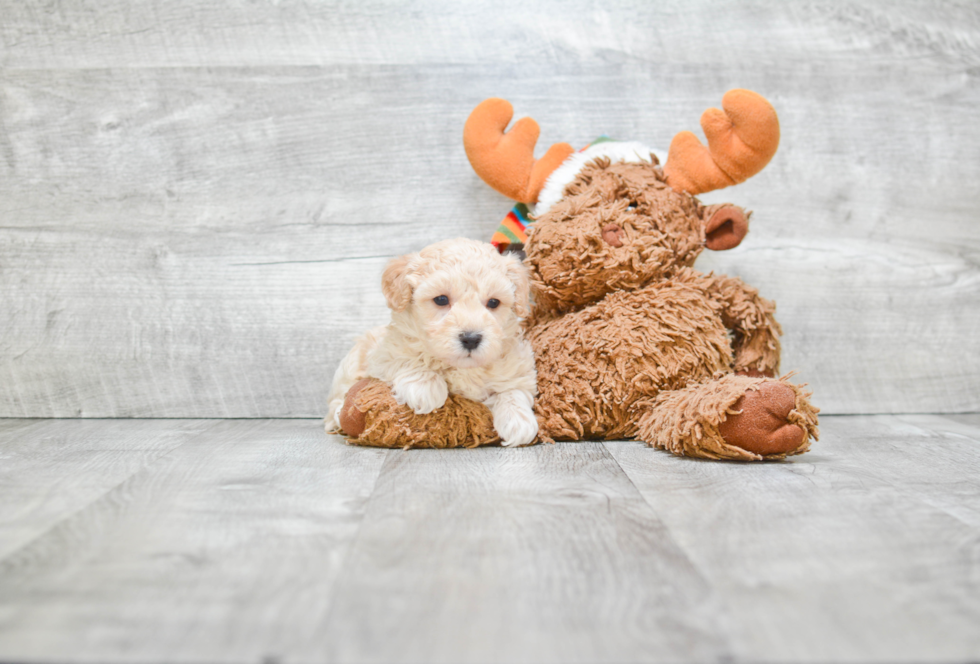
x: 505, y: 161
x: 741, y: 141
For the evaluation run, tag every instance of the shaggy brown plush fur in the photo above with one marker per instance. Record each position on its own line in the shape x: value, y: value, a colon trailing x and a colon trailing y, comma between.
x: 459, y: 423
x: 600, y: 361
x: 690, y: 421
x: 572, y: 264
x: 630, y: 340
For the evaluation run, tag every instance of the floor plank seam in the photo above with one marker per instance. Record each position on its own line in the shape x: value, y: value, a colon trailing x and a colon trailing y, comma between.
x: 352, y: 544
x: 5, y: 556
x: 646, y: 502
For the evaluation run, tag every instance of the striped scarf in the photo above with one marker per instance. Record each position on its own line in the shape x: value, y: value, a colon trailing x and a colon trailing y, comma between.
x: 511, y: 233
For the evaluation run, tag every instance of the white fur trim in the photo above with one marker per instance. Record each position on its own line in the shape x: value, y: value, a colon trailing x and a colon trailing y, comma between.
x: 630, y: 152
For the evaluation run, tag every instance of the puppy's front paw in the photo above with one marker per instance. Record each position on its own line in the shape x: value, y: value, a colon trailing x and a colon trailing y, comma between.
x: 514, y: 420
x: 517, y: 430
x: 423, y: 393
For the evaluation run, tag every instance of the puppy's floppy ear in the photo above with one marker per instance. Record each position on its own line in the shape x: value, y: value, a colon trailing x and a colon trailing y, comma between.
x: 518, y: 275
x: 394, y: 283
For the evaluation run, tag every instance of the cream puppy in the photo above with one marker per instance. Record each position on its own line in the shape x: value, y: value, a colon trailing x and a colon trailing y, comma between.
x: 456, y: 308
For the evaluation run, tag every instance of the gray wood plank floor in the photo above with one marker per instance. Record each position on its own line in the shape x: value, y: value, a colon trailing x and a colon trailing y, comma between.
x: 264, y: 540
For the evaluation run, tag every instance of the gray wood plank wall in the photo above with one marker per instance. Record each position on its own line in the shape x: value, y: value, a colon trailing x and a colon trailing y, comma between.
x: 197, y: 198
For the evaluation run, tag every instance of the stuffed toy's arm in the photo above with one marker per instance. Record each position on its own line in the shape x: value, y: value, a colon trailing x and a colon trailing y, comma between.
x: 753, y: 322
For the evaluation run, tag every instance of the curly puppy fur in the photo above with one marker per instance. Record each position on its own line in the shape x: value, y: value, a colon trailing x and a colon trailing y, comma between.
x: 455, y: 329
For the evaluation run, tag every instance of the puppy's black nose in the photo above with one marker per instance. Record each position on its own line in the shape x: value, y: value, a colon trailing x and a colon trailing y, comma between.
x: 470, y: 340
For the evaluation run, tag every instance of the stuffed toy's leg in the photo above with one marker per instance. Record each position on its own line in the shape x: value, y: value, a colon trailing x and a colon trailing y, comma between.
x: 752, y: 320
x: 370, y: 416
x: 734, y: 417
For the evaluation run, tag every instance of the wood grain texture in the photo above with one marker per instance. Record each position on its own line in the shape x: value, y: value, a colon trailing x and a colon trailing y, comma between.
x: 51, y: 469
x: 197, y: 199
x: 541, y: 554
x: 224, y: 550
x: 871, y: 538
x: 264, y: 540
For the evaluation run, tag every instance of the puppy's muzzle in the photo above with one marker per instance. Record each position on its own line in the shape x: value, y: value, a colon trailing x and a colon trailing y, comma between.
x: 470, y: 340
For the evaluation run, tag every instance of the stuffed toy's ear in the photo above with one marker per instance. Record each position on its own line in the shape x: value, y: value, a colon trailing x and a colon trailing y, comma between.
x: 394, y: 283
x: 518, y: 275
x: 725, y: 226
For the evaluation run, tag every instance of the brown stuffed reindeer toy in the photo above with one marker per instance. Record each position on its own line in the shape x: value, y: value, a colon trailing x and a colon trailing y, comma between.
x: 630, y: 341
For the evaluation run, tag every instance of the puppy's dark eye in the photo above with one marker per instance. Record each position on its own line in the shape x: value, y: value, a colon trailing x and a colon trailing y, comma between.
x: 493, y: 303
x: 441, y: 300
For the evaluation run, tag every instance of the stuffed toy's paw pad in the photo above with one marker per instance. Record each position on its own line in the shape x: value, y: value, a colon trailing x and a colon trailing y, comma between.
x: 352, y: 421
x: 762, y: 424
